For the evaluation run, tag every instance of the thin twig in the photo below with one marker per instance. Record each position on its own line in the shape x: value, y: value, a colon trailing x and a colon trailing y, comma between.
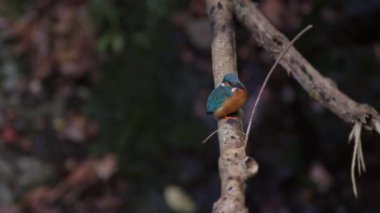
x: 269, y: 74
x: 210, y: 135
x: 319, y: 87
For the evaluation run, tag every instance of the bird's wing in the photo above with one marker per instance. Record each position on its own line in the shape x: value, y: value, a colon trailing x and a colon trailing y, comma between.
x: 217, y: 97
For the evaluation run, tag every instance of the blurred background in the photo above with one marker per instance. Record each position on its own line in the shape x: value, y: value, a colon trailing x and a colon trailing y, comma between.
x: 102, y: 107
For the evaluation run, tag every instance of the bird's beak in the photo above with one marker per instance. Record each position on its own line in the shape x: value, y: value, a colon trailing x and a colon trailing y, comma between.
x: 240, y: 86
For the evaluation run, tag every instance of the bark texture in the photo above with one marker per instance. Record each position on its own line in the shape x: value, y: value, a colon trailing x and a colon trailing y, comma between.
x: 235, y: 167
x: 319, y: 87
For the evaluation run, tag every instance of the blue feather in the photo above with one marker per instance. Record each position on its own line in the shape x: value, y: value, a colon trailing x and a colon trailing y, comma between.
x: 217, y: 98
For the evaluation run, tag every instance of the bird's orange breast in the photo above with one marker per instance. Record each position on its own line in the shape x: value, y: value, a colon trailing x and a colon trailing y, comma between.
x: 232, y: 104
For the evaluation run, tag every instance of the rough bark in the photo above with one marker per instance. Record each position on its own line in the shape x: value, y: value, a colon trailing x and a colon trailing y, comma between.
x: 235, y: 167
x: 319, y: 87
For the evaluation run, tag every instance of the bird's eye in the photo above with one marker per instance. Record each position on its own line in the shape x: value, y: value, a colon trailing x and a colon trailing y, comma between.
x: 223, y: 84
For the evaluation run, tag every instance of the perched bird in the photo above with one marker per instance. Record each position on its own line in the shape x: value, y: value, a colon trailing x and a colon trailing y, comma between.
x: 227, y: 98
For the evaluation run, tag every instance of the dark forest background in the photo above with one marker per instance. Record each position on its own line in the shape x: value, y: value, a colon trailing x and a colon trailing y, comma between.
x: 102, y: 107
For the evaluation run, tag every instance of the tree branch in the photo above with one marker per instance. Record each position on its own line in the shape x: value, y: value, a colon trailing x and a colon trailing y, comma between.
x: 235, y: 167
x: 319, y: 87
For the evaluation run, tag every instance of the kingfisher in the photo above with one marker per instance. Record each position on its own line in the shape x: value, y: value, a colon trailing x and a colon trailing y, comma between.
x: 228, y: 98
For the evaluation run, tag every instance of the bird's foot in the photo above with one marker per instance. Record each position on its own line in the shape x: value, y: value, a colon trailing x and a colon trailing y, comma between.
x: 228, y: 117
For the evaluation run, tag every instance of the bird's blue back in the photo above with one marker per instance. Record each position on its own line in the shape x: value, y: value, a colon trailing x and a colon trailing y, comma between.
x: 217, y: 97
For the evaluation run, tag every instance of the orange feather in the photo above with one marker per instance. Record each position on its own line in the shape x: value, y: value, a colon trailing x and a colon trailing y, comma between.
x: 232, y: 104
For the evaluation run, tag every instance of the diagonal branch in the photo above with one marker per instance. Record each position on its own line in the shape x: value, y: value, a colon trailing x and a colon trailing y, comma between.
x: 235, y: 167
x: 319, y: 87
